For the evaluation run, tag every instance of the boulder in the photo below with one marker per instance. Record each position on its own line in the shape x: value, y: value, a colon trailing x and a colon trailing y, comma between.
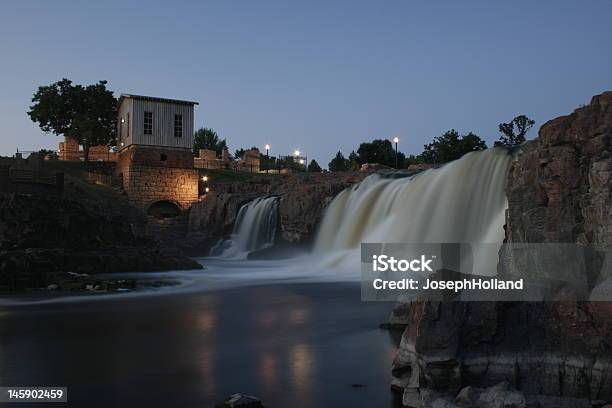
x: 496, y: 396
x: 241, y: 401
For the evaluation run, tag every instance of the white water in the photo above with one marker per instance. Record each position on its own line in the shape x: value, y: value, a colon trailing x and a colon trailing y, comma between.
x: 254, y: 229
x: 463, y: 201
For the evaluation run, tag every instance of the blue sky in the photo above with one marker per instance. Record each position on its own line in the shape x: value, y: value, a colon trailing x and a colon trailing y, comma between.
x: 320, y: 76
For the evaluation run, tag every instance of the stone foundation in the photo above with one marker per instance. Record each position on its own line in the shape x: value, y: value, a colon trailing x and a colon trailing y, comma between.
x: 152, y: 174
x: 155, y: 156
x: 146, y: 185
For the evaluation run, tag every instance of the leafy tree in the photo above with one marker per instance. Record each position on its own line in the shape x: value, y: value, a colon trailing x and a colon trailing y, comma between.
x: 379, y: 151
x: 85, y: 113
x: 339, y: 163
x: 513, y: 133
x: 451, y: 146
x: 206, y: 138
x: 412, y: 159
x: 314, y: 166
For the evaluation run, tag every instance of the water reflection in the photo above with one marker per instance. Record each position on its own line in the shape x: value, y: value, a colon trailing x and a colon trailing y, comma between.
x: 206, y: 321
x: 299, y: 316
x: 268, y: 368
x: 301, y: 366
x: 293, y: 345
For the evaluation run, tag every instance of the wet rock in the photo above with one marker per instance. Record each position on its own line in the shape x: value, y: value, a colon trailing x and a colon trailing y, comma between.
x: 241, y: 401
x: 497, y: 396
x: 213, y: 218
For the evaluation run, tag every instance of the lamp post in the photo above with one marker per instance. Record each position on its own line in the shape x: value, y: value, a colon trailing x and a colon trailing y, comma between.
x: 267, y: 157
x: 396, y: 141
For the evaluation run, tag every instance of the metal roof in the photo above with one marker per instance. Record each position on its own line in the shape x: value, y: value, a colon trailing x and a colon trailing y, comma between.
x: 156, y: 99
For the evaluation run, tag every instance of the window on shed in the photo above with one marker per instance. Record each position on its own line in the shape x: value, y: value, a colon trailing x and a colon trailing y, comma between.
x: 178, y: 125
x: 148, y: 123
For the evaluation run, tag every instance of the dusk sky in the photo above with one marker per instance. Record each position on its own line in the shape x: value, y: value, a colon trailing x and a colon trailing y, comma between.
x: 320, y: 76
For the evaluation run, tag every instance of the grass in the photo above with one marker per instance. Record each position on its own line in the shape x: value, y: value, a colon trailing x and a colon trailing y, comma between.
x: 226, y: 175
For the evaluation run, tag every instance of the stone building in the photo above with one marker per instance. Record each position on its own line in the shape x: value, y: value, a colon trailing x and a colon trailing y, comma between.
x: 155, y: 160
x: 250, y: 161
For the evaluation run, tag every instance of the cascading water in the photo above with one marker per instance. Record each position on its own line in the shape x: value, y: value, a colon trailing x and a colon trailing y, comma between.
x: 463, y: 201
x: 254, y: 229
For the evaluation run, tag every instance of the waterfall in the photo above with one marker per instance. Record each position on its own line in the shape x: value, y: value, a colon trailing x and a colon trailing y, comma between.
x: 254, y: 229
x: 463, y: 201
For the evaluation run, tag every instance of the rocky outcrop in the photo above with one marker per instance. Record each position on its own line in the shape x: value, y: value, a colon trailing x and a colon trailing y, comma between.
x: 560, y: 188
x: 555, y: 353
x: 303, y: 198
x: 43, y: 235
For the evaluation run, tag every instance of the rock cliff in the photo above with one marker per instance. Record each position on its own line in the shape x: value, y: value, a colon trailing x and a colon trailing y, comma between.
x: 303, y: 199
x: 41, y: 236
x: 554, y: 353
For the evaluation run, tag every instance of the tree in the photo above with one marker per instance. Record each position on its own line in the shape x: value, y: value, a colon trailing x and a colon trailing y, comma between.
x: 206, y: 138
x: 85, y: 113
x: 314, y: 166
x: 339, y: 163
x: 379, y: 151
x: 451, y: 146
x: 412, y: 159
x: 513, y: 133
x: 354, y: 161
x: 289, y: 162
x: 239, y: 153
x: 267, y: 162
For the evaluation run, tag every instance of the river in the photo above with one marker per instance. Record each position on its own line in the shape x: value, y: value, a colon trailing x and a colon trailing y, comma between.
x: 306, y: 344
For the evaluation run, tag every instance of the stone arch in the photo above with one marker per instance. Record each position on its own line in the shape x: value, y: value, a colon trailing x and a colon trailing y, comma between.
x: 164, y: 209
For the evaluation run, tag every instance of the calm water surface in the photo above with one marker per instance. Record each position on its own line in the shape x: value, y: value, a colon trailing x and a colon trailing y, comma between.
x: 292, y: 344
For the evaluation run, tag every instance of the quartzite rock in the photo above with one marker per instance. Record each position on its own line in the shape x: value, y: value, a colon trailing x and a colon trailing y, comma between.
x: 557, y: 353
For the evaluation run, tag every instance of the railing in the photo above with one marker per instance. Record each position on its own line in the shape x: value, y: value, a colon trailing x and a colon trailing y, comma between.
x: 30, y: 176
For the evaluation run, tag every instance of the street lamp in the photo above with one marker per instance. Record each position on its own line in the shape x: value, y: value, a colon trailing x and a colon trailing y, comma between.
x: 267, y: 157
x: 296, y: 153
x: 396, y: 141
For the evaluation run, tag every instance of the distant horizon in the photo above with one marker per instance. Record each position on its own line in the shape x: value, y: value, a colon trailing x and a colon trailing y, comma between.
x: 316, y: 77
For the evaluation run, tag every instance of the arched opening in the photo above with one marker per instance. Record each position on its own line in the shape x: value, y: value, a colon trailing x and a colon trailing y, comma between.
x: 163, y: 209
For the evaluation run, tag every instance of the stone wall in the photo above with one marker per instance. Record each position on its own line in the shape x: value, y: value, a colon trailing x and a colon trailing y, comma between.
x: 156, y: 156
x: 146, y: 185
x: 69, y: 149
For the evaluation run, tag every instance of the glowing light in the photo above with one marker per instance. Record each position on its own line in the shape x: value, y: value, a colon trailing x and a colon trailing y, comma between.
x: 296, y: 153
x: 267, y: 147
x: 301, y: 161
x: 396, y: 140
x: 122, y: 120
x: 207, y: 189
x: 204, y: 178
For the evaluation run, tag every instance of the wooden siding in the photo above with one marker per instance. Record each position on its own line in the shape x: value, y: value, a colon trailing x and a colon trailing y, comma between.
x: 163, y: 124
x: 125, y: 133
